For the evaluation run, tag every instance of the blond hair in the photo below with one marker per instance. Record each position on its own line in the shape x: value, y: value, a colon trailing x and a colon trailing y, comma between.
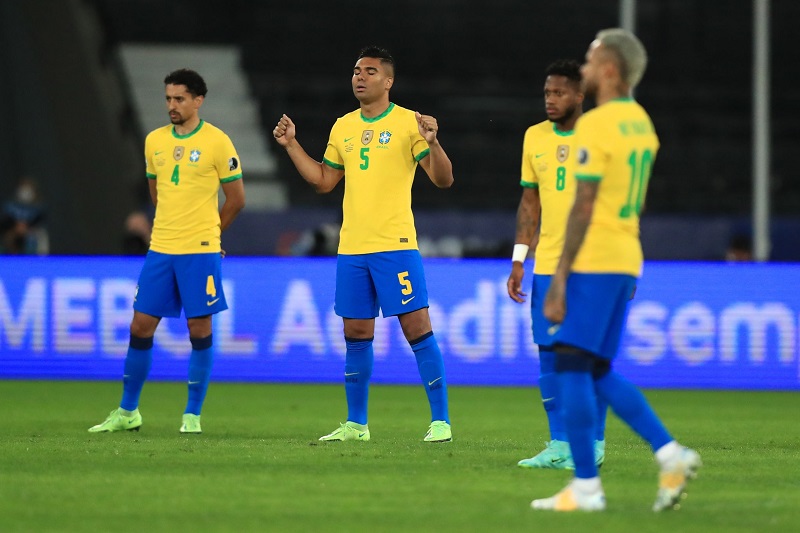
x: 630, y: 52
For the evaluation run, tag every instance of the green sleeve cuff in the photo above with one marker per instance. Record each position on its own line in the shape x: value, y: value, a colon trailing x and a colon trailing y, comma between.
x: 150, y: 176
x: 529, y: 184
x: 422, y: 155
x: 231, y: 178
x: 588, y: 177
x: 331, y: 164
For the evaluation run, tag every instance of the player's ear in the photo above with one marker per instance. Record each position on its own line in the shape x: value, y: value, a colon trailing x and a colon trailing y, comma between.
x: 389, y: 82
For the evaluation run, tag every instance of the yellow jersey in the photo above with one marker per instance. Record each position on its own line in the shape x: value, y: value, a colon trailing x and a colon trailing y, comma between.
x: 548, y: 164
x: 188, y: 170
x: 617, y: 146
x: 379, y: 157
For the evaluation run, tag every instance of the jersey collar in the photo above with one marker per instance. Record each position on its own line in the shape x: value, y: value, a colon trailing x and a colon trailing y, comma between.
x: 375, y: 119
x: 174, y: 134
x: 562, y: 133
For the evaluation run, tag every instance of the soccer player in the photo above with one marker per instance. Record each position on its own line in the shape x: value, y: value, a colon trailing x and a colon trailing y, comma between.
x: 548, y: 189
x: 376, y: 148
x: 597, y: 272
x: 187, y: 163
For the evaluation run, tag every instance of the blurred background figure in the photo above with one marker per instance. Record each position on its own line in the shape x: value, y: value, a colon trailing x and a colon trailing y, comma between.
x: 22, y: 222
x: 740, y: 248
x: 136, y: 239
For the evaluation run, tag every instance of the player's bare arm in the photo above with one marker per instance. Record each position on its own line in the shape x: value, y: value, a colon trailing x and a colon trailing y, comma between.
x: 527, y: 222
x: 578, y: 222
x: 319, y: 175
x: 234, y: 203
x: 153, y: 184
x: 437, y: 165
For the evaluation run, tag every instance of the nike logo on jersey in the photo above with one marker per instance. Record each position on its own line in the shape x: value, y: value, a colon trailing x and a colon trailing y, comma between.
x: 212, y: 302
x: 553, y: 329
x: 161, y: 152
x: 545, y: 400
x: 351, y: 373
x: 348, y: 139
x: 540, y: 155
x: 404, y: 302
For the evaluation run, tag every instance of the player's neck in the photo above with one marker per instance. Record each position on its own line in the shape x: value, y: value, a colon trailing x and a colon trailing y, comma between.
x: 374, y: 109
x: 187, y: 127
x: 612, y: 91
x: 569, y: 124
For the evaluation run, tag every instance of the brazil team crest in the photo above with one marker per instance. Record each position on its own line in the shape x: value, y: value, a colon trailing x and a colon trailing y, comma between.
x: 194, y: 155
x: 177, y: 153
x: 385, y: 137
x: 562, y: 153
x: 366, y: 137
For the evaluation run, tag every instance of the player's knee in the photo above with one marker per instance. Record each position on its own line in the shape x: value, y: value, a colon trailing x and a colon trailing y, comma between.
x: 359, y: 329
x: 143, y: 326
x: 415, y: 324
x: 200, y: 327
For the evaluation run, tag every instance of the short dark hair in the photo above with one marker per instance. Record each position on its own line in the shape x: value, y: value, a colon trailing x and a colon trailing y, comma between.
x: 193, y: 81
x: 569, y: 68
x: 378, y: 53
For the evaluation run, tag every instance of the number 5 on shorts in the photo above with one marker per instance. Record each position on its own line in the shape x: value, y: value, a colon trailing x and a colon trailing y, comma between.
x: 402, y: 277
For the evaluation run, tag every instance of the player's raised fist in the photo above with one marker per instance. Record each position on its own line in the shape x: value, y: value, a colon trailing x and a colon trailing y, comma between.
x: 284, y: 131
x: 428, y: 127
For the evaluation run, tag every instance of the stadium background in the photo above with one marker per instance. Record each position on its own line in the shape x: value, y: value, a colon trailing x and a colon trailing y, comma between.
x: 68, y: 117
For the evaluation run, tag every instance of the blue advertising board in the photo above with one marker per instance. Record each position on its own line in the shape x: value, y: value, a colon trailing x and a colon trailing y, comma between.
x: 691, y: 325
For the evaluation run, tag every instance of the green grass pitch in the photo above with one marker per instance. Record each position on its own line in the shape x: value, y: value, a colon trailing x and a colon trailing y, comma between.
x: 259, y: 467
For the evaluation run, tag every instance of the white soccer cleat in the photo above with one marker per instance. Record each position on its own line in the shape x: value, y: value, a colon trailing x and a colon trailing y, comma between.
x: 570, y: 499
x: 673, y: 478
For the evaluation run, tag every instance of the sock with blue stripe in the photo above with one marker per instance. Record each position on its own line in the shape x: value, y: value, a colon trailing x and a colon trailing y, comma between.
x: 357, y: 372
x: 200, y: 362
x: 431, y: 370
x: 137, y: 367
x: 632, y: 407
x: 548, y: 386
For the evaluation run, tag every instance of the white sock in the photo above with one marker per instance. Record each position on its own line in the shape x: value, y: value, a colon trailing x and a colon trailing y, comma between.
x: 587, y: 485
x: 125, y: 412
x: 667, y: 452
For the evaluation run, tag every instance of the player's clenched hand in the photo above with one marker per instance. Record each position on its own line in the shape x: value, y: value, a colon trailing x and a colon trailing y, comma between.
x: 284, y: 131
x: 514, y: 283
x: 428, y: 127
x: 555, y: 304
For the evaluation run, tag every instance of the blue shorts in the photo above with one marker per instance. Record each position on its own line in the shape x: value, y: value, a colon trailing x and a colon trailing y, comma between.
x: 393, y: 281
x: 597, y: 306
x: 168, y: 282
x: 541, y: 326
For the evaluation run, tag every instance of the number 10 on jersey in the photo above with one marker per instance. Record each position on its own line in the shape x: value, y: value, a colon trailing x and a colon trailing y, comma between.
x: 641, y: 166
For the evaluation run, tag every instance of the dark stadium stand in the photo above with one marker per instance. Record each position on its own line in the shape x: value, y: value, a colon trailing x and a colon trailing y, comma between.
x: 478, y: 69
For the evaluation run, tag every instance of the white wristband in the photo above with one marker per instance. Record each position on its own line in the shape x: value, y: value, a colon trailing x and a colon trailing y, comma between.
x: 520, y: 253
